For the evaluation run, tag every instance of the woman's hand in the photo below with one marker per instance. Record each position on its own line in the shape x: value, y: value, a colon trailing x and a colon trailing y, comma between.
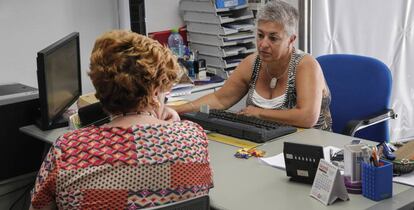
x: 169, y: 114
x: 251, y: 111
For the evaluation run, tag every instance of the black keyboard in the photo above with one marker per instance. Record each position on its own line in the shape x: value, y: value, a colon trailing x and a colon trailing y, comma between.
x: 239, y: 126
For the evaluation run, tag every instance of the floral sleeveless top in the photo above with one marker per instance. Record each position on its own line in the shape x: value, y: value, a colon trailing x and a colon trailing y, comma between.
x: 324, y: 121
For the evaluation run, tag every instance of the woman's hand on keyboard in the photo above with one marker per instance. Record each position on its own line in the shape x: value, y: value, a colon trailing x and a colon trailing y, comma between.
x: 251, y: 111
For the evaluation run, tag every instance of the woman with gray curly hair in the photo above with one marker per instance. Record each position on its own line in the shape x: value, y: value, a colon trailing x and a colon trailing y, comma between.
x: 282, y: 84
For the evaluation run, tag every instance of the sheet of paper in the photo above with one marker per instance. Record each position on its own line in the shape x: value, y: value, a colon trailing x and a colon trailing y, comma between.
x: 174, y: 99
x: 407, y: 179
x: 241, y: 27
x: 278, y: 161
x: 238, y: 36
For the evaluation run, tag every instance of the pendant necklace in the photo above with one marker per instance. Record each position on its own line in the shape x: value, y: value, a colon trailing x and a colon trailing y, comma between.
x: 273, y: 81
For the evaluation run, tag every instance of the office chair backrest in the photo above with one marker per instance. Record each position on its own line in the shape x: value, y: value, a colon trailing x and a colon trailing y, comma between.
x: 198, y: 203
x: 360, y: 87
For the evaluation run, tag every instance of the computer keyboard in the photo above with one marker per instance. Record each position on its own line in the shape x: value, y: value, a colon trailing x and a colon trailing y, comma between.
x: 239, y: 126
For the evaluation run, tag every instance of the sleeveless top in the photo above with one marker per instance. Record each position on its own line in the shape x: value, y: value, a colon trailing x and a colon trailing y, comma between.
x: 324, y: 121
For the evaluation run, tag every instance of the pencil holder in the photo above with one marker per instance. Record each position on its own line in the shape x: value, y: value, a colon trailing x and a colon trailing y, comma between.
x: 377, y: 181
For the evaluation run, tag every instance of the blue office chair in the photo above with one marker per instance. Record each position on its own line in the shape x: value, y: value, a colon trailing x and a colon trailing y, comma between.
x: 360, y: 89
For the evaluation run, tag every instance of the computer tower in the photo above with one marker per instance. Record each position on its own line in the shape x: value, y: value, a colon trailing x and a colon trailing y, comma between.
x: 19, y: 154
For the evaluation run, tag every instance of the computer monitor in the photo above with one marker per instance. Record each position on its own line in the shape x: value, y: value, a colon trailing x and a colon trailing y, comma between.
x: 59, y: 80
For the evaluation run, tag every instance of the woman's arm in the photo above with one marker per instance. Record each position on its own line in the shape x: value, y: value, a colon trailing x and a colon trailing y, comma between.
x: 44, y: 191
x: 310, y: 84
x: 232, y: 91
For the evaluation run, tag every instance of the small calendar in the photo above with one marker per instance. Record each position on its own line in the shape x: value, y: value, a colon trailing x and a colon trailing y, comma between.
x: 328, y: 184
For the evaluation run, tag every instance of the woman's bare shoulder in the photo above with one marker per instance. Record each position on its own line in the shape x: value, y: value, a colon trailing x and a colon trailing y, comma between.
x: 308, y: 64
x: 248, y: 61
x: 245, y: 68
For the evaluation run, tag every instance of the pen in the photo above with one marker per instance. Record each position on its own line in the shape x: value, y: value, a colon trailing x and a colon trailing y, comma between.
x: 330, y: 154
x: 366, y: 154
x: 380, y: 151
x: 374, y: 156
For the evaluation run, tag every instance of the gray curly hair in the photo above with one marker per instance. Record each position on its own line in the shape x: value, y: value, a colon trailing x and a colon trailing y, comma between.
x: 282, y: 13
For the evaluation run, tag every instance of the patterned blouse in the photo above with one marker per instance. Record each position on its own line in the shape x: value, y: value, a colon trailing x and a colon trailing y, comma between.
x: 116, y: 168
x: 325, y: 121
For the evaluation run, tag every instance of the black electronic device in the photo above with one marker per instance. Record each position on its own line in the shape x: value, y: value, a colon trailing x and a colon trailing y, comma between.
x: 93, y: 114
x: 59, y: 80
x: 301, y: 161
x: 20, y: 154
x: 239, y: 126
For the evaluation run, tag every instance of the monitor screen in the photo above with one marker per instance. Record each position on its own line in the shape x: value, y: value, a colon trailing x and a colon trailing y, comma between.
x: 59, y: 80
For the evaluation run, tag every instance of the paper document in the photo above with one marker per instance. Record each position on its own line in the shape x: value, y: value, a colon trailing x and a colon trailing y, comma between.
x: 407, y: 179
x: 181, y: 89
x: 238, y: 36
x: 278, y: 161
x: 241, y: 27
x: 234, y: 49
x: 174, y: 99
x: 182, y: 85
x: 229, y: 30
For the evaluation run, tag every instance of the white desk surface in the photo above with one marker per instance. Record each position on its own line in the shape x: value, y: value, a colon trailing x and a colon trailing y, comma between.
x: 247, y: 184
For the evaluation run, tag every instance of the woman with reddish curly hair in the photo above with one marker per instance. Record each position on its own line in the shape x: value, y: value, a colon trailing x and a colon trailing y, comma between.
x: 142, y: 157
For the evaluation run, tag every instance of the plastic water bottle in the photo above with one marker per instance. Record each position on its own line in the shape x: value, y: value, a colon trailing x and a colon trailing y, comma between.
x: 175, y: 43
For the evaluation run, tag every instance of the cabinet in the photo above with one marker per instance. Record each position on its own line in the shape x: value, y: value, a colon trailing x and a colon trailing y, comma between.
x: 222, y: 36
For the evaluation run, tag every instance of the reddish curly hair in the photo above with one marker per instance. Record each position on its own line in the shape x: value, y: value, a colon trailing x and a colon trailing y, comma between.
x: 127, y: 68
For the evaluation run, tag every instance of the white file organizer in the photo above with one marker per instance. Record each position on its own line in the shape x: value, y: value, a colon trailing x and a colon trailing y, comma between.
x: 205, y: 6
x: 220, y: 35
x: 214, y: 18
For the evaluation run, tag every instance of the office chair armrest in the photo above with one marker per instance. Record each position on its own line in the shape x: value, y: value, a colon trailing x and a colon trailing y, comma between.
x: 355, y: 125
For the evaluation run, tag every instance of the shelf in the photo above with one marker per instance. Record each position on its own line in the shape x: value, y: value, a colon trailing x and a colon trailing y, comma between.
x: 223, y: 51
x: 205, y: 6
x: 222, y: 63
x: 217, y: 40
x: 215, y: 18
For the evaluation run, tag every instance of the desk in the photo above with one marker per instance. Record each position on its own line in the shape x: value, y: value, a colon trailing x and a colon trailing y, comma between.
x: 246, y: 184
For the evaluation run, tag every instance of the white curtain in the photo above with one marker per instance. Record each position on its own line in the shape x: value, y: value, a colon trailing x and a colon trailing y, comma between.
x: 383, y: 29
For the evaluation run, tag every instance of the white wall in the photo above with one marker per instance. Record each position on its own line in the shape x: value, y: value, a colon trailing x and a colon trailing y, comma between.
x: 124, y: 15
x: 29, y: 26
x: 162, y: 15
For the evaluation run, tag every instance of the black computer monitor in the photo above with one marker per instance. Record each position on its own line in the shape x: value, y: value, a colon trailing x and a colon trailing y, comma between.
x: 59, y: 80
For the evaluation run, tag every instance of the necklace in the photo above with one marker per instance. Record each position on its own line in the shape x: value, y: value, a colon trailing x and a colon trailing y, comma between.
x: 131, y: 113
x: 274, y: 79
